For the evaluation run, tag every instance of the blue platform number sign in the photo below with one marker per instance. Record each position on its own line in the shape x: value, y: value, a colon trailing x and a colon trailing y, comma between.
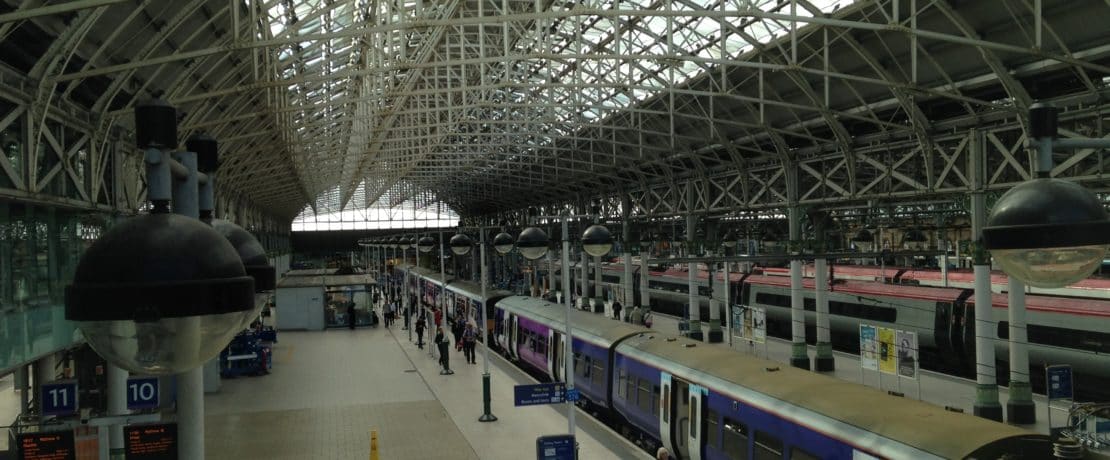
x: 572, y: 394
x: 543, y: 393
x: 556, y: 447
x: 1059, y: 381
x: 142, y: 393
x: 59, y: 398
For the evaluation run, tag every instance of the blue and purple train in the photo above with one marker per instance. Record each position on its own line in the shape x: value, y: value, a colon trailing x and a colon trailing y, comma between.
x: 708, y: 402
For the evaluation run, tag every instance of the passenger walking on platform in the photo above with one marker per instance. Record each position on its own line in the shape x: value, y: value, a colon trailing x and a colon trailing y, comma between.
x: 442, y: 343
x: 420, y: 332
x: 470, y: 338
x: 616, y: 310
x: 351, y: 315
x: 408, y: 317
x: 458, y: 327
x: 662, y: 454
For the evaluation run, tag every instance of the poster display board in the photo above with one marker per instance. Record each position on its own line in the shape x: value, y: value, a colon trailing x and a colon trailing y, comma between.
x: 907, y: 354
x: 888, y: 363
x: 749, y: 323
x: 868, y: 347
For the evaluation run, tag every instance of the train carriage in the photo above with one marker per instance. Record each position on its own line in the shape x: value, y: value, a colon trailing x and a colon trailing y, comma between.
x: 716, y: 404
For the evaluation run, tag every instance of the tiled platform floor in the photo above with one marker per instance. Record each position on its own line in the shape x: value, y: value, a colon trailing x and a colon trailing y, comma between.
x: 329, y: 389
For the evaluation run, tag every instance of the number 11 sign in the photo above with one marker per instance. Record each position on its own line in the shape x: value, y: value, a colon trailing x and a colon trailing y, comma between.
x: 59, y: 398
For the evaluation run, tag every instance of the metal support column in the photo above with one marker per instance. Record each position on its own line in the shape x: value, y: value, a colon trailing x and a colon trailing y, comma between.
x: 799, y: 353
x: 1020, y: 408
x: 986, y: 391
x: 117, y: 405
x: 694, y: 304
x: 824, y: 361
x: 584, y: 277
x: 715, y: 334
x: 645, y: 297
x: 487, y: 414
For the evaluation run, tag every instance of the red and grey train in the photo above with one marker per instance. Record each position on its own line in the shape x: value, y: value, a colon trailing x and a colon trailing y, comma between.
x: 1061, y: 330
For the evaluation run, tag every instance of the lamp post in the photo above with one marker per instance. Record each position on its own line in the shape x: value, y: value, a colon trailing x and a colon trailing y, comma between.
x: 1046, y: 233
x: 460, y: 244
x: 596, y: 241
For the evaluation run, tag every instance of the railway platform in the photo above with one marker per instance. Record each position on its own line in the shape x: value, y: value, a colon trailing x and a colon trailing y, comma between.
x: 329, y: 389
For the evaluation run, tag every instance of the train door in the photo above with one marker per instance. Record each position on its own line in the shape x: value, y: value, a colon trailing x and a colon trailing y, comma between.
x: 553, y: 355
x: 699, y: 401
x: 680, y: 423
x: 513, y: 333
x: 666, y: 411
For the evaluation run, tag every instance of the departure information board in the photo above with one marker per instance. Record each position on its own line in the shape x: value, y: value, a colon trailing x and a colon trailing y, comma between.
x: 151, y: 442
x: 56, y: 445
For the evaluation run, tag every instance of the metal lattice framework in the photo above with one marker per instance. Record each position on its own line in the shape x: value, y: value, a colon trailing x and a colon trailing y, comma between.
x: 491, y: 106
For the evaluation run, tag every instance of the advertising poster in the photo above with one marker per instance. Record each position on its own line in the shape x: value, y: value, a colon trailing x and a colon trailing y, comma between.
x: 888, y: 358
x: 749, y: 323
x: 907, y: 354
x: 759, y: 325
x: 868, y: 358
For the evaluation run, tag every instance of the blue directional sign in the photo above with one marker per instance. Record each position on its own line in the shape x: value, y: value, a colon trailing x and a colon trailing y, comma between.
x: 1059, y: 381
x: 59, y: 398
x: 556, y: 447
x: 573, y: 395
x: 543, y: 393
x: 142, y: 393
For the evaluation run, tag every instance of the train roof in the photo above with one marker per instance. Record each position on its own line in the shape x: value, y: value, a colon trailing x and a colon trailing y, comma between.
x: 465, y: 288
x: 596, y: 328
x: 846, y: 410
x: 1068, y: 305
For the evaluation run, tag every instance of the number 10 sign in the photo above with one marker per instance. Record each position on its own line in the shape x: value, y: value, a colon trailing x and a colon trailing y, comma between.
x: 142, y: 393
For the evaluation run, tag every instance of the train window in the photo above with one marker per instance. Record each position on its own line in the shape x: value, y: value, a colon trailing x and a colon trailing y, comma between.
x: 1098, y: 342
x: 694, y: 420
x: 621, y: 376
x: 586, y: 366
x: 734, y: 437
x: 643, y: 395
x: 577, y: 363
x: 767, y: 446
x: 797, y: 453
x: 666, y: 406
x: 630, y: 390
x: 654, y: 399
x: 712, y: 428
x: 598, y: 373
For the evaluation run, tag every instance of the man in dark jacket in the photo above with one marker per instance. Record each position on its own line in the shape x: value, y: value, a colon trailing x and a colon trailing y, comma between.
x: 420, y: 332
x: 442, y: 343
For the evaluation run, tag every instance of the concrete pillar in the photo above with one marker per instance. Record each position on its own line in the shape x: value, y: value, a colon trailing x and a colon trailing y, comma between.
x: 584, y: 277
x: 599, y: 296
x: 694, y: 303
x: 117, y: 405
x: 645, y: 297
x: 799, y: 353
x: 986, y: 391
x: 824, y: 361
x: 715, y: 334
x: 1019, y: 409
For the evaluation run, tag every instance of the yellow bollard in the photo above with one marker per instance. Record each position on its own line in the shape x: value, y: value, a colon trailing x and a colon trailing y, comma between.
x: 373, y: 444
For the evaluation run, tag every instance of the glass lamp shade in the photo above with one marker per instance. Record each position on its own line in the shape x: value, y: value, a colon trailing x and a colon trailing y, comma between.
x: 597, y: 240
x: 503, y: 243
x: 730, y: 240
x: 160, y: 294
x: 1050, y: 267
x: 1048, y: 233
x: 163, y: 347
x: 426, y: 244
x: 532, y: 243
x: 412, y: 242
x: 460, y: 244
